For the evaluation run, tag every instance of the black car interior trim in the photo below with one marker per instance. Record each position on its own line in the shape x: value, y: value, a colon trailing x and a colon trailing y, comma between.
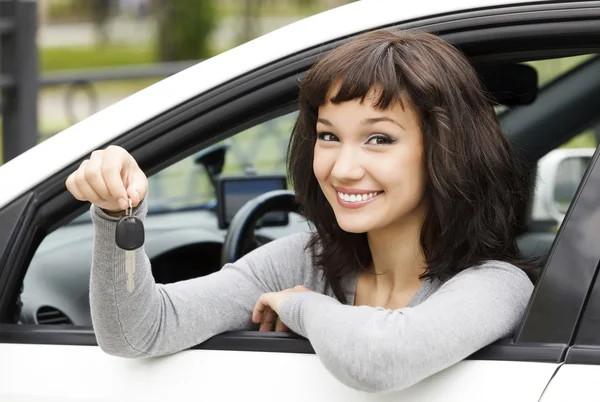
x: 17, y: 218
x: 583, y: 354
x: 565, y: 283
x: 588, y: 331
x: 572, y: 99
x: 255, y: 341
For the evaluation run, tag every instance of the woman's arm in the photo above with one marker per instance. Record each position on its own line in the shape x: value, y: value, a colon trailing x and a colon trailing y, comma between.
x: 379, y: 350
x: 158, y: 319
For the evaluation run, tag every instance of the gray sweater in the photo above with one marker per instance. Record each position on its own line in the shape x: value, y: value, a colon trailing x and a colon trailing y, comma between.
x: 367, y: 348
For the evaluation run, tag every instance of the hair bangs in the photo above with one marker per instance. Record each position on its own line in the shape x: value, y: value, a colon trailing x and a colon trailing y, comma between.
x: 370, y: 75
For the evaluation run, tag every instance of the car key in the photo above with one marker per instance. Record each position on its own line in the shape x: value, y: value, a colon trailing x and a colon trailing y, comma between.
x: 129, y: 236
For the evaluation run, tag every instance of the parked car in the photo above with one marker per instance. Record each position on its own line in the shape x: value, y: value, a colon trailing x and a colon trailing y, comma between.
x: 183, y: 132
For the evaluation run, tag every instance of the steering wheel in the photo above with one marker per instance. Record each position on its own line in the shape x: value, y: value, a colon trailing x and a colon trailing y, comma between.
x: 240, y: 237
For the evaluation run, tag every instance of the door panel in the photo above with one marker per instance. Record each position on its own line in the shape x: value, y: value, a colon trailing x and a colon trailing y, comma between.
x: 574, y: 382
x: 83, y: 373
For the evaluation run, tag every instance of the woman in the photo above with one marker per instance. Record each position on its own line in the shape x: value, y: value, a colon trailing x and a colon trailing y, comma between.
x: 413, y: 191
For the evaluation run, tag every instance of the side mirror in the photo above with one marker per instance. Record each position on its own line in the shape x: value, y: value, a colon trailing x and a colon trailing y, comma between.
x: 559, y: 175
x: 569, y: 173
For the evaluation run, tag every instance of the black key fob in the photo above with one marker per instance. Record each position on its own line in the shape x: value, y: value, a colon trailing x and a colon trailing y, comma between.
x: 130, y: 233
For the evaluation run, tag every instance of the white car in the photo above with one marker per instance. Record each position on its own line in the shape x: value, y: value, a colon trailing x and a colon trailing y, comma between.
x: 248, y: 94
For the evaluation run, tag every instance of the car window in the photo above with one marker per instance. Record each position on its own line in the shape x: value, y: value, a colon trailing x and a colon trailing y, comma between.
x: 182, y: 200
x: 559, y: 172
x: 570, y: 160
x: 186, y: 184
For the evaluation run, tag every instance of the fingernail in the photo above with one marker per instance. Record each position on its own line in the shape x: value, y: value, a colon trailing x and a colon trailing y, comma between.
x: 133, y: 194
x: 123, y: 203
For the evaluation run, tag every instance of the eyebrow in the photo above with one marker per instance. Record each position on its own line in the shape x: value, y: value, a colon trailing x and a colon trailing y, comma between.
x: 365, y: 122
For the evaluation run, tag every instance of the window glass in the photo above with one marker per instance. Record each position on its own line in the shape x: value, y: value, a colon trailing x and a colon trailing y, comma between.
x: 186, y: 184
x: 550, y: 70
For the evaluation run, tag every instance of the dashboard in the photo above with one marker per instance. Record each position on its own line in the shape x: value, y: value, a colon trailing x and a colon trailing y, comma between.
x: 180, y: 246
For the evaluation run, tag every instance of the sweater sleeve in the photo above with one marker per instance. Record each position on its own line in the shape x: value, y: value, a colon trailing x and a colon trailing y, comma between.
x: 380, y: 350
x: 159, y: 319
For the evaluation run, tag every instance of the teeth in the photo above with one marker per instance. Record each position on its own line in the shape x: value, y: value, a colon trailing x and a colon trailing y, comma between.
x: 357, y: 197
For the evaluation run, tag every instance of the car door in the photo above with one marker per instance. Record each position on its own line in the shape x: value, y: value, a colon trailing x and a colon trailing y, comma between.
x: 63, y: 363
x: 576, y: 380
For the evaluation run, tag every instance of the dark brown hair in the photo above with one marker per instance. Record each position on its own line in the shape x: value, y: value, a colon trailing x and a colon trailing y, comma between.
x: 474, y: 184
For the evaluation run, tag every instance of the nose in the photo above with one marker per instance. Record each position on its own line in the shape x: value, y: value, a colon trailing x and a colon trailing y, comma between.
x: 347, y: 166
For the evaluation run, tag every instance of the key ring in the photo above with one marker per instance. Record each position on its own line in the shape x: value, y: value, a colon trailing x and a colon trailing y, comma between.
x: 130, y: 209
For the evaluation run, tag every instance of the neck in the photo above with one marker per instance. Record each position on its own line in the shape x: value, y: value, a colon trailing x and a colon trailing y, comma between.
x: 398, y: 257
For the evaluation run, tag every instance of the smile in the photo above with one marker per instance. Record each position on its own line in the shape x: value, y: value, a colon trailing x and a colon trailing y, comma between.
x: 356, y: 200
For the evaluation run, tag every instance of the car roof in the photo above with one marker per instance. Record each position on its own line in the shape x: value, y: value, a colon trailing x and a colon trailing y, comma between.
x: 94, y: 132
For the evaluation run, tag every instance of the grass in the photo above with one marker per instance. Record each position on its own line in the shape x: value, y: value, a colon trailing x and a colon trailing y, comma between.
x: 587, y: 139
x: 74, y: 58
x: 548, y: 70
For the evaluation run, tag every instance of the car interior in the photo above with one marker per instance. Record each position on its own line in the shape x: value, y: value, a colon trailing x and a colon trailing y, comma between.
x: 539, y: 111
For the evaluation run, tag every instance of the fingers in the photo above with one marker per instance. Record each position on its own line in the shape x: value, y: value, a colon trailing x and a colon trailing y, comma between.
x: 259, y: 308
x: 263, y: 313
x: 138, y: 187
x: 113, y: 160
x: 84, y: 187
x: 93, y: 174
x: 268, y: 320
x: 108, y: 179
x: 266, y: 316
x: 280, y: 326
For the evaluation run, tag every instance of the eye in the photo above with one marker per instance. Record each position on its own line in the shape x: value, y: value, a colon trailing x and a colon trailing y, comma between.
x: 325, y: 136
x: 380, y: 139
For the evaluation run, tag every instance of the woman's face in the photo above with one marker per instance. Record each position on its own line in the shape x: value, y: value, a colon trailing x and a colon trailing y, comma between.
x: 369, y: 164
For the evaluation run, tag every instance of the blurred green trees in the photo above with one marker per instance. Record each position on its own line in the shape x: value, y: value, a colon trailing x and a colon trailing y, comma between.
x: 184, y: 28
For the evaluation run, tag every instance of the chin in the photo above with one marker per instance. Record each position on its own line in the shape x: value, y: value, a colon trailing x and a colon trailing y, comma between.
x: 352, y: 226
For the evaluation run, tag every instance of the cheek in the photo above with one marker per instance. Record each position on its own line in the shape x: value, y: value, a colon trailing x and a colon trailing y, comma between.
x: 401, y: 171
x: 321, y: 165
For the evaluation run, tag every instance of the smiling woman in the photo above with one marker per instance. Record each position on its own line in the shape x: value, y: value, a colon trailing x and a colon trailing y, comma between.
x: 399, y: 162
x: 404, y: 119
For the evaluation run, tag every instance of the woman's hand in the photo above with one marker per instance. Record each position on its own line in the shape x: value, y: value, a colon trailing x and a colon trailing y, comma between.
x: 266, y: 310
x: 108, y: 179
